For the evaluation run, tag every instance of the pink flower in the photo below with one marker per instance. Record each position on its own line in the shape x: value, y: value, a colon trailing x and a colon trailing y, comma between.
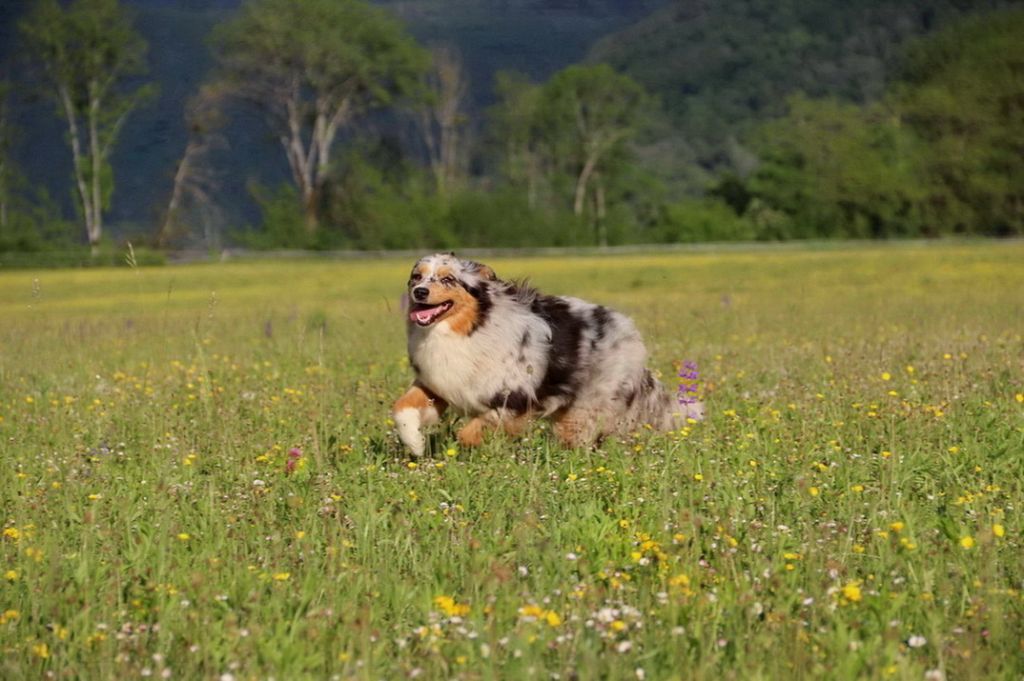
x: 294, y: 454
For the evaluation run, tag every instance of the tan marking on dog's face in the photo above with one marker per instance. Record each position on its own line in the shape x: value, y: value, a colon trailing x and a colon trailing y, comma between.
x: 463, y: 316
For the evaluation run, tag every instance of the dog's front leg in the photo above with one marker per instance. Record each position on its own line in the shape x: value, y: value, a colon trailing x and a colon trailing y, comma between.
x: 417, y: 408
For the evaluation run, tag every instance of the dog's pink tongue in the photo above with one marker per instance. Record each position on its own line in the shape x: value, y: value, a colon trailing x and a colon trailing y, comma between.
x: 423, y: 316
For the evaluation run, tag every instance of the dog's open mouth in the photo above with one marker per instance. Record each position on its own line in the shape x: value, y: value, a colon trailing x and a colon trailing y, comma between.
x: 425, y: 315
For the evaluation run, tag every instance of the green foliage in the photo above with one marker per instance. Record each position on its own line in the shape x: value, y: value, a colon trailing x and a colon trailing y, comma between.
x: 962, y: 92
x: 721, y: 68
x: 942, y: 154
x: 839, y: 170
x: 282, y: 224
x: 703, y: 220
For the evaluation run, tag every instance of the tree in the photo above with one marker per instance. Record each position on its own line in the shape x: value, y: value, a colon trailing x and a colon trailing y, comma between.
x: 962, y: 91
x: 6, y: 169
x: 513, y: 132
x: 587, y: 113
x: 88, y: 51
x: 193, y: 179
x: 312, y: 67
x: 840, y: 170
x: 441, y: 118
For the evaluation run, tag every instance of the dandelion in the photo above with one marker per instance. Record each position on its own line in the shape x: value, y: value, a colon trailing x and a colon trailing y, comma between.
x: 698, y: 477
x: 450, y: 607
x: 886, y: 376
x: 12, y: 533
x: 814, y: 491
x: 412, y: 465
x: 1019, y: 397
x: 896, y: 526
x: 282, y: 576
x: 998, y: 530
x: 11, y: 575
x: 184, y: 536
x: 851, y: 592
x: 967, y: 542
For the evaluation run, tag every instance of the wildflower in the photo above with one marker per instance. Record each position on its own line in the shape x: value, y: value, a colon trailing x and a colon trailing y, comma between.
x: 851, y: 592
x: 294, y: 460
x: 9, y: 616
x: 814, y: 491
x: 451, y: 452
x: 11, y: 575
x: 184, y: 536
x: 896, y: 526
x: 688, y: 383
x: 12, y: 533
x: 857, y: 488
x: 412, y: 465
x: 967, y: 542
x: 698, y: 477
x: 998, y: 530
x: 282, y: 576
x: 41, y: 650
x: 1019, y: 397
x: 886, y: 376
x: 917, y: 641
x: 451, y: 608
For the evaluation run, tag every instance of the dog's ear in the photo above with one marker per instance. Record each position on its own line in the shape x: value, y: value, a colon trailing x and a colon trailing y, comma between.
x: 485, y: 272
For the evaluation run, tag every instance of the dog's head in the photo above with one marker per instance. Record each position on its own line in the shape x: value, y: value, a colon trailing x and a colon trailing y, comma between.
x: 443, y: 287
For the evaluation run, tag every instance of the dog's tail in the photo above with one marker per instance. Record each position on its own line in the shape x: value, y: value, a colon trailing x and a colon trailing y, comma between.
x: 653, y: 405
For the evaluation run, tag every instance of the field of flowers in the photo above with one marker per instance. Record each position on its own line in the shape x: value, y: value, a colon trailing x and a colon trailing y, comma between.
x: 200, y: 479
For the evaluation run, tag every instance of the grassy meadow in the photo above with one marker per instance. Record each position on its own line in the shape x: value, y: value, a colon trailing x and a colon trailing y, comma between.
x: 200, y: 479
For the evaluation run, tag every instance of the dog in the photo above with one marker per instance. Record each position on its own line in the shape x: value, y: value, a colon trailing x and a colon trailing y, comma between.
x: 502, y: 354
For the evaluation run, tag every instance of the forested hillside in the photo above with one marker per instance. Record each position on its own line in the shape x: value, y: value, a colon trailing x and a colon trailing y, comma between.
x: 722, y: 67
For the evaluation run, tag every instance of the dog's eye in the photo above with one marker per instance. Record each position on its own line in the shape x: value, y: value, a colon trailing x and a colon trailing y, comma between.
x: 448, y: 281
x: 416, y: 276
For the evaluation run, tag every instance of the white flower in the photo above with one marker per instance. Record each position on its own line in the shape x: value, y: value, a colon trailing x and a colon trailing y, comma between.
x: 917, y: 641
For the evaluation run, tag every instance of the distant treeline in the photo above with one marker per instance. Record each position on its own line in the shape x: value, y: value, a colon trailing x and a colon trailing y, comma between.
x: 572, y: 161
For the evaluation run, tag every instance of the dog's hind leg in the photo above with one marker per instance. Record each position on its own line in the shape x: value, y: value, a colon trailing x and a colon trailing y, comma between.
x: 418, y: 407
x: 512, y: 423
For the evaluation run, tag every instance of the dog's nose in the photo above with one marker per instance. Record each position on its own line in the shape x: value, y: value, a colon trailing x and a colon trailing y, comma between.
x: 420, y: 293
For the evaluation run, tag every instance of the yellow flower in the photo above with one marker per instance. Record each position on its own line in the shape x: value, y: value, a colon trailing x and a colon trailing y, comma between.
x: 41, y: 650
x: 282, y: 576
x: 1019, y: 397
x: 857, y: 488
x: 184, y: 536
x: 851, y: 592
x: 11, y: 575
x: 552, y: 618
x: 910, y: 369
x: 967, y: 542
x: 451, y: 451
x: 623, y: 523
x: 698, y: 477
x: 9, y: 616
x: 412, y: 465
x: 12, y: 533
x: 618, y: 625
x: 998, y: 530
x: 886, y: 376
x: 448, y: 605
x: 896, y: 526
x: 886, y: 454
x: 814, y: 491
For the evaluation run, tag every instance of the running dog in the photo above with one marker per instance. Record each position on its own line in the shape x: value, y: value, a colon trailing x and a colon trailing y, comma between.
x: 502, y: 353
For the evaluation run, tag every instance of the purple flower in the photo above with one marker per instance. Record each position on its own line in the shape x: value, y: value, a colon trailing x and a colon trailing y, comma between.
x: 689, y: 378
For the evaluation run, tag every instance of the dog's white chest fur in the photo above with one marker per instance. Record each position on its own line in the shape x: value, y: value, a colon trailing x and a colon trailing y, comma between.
x: 470, y: 370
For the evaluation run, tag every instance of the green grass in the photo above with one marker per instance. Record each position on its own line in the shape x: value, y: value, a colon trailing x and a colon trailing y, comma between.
x: 856, y: 489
